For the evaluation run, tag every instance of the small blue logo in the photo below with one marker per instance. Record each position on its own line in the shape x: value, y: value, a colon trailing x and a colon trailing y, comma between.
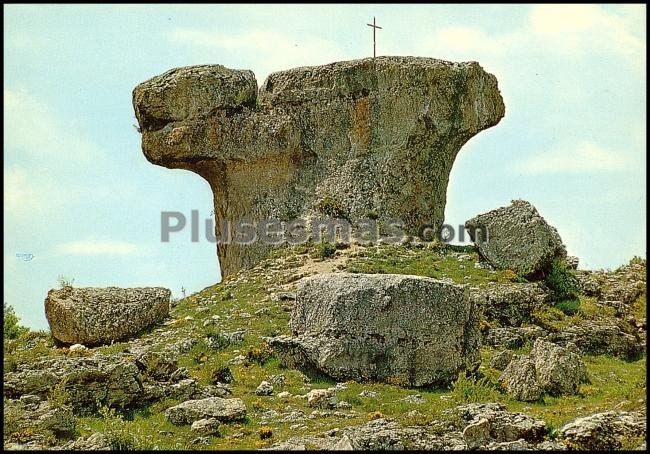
x: 25, y: 256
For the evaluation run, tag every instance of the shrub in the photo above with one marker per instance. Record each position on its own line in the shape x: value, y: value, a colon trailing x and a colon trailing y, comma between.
x: 12, y: 330
x: 325, y: 249
x: 120, y: 436
x: 65, y: 281
x: 265, y: 432
x: 329, y: 206
x: 569, y: 307
x: 561, y: 279
x: 58, y: 396
x: 260, y: 354
x: 221, y: 375
x: 468, y: 390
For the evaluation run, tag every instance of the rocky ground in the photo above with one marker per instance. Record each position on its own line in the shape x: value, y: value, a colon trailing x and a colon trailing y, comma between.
x: 206, y: 379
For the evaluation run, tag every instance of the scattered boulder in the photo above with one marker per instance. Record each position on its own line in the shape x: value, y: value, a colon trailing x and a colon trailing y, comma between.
x: 549, y: 369
x: 516, y: 237
x: 600, y: 337
x: 264, y: 389
x: 94, y: 442
x: 559, y: 370
x: 322, y: 398
x: 209, y: 426
x: 95, y: 316
x: 25, y: 414
x: 405, y: 329
x: 501, y: 425
x: 477, y: 434
x: 520, y: 381
x: 604, y: 431
x: 223, y: 410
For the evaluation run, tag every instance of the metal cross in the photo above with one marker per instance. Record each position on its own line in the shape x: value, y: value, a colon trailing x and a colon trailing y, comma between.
x: 374, y: 40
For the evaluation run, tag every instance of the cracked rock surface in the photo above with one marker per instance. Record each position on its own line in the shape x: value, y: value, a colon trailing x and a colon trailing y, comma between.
x: 342, y: 140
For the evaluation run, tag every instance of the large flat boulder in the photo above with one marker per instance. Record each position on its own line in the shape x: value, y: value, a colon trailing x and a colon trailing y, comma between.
x: 95, y: 316
x: 407, y: 330
x: 516, y: 237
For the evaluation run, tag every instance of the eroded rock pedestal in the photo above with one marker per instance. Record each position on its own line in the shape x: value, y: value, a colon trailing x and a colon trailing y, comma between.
x: 404, y: 330
x: 355, y: 139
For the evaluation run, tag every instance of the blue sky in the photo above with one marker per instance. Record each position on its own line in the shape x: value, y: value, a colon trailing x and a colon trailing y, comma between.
x: 80, y: 196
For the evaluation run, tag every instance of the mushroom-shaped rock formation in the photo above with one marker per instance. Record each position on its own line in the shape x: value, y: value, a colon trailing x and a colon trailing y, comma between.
x: 353, y: 140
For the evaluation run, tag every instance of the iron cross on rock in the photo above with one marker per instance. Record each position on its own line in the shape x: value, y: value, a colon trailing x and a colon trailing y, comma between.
x: 374, y: 40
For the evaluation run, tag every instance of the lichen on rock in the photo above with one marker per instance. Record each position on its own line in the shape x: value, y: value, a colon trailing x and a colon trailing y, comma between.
x: 355, y: 137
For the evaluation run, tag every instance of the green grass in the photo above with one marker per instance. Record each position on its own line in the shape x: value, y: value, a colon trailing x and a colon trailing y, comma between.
x: 431, y: 262
x: 614, y: 383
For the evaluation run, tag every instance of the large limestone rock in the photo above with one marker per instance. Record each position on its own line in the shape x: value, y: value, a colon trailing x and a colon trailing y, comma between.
x: 341, y: 140
x: 94, y: 316
x: 408, y: 330
x: 516, y: 237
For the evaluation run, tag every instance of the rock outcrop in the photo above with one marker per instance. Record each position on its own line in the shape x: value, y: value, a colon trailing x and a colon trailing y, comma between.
x: 516, y: 237
x: 408, y: 330
x: 354, y: 140
x: 604, y: 431
x: 95, y: 316
x: 89, y: 382
x: 549, y: 369
x: 511, y: 304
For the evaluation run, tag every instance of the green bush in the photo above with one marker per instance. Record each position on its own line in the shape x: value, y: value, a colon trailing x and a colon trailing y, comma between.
x: 325, y: 249
x: 12, y: 330
x: 332, y: 207
x: 470, y: 390
x: 569, y: 307
x: 561, y: 279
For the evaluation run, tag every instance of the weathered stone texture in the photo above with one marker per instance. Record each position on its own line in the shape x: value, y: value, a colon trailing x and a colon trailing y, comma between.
x: 402, y: 329
x: 94, y: 316
x: 344, y: 139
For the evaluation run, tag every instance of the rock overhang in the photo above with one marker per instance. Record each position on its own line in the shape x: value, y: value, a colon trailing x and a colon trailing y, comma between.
x: 372, y: 135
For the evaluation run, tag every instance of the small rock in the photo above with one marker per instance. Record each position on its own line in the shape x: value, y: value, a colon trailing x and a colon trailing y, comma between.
x: 224, y: 410
x: 209, y: 426
x: 366, y: 393
x: 321, y: 398
x: 519, y: 380
x: 343, y: 405
x: 501, y: 360
x: 77, y: 348
x: 478, y: 434
x: 264, y: 389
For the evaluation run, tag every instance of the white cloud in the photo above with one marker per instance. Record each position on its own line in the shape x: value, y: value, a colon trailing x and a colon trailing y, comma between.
x: 560, y: 30
x: 33, y: 130
x: 268, y: 50
x: 97, y: 247
x: 590, y: 28
x: 582, y: 157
